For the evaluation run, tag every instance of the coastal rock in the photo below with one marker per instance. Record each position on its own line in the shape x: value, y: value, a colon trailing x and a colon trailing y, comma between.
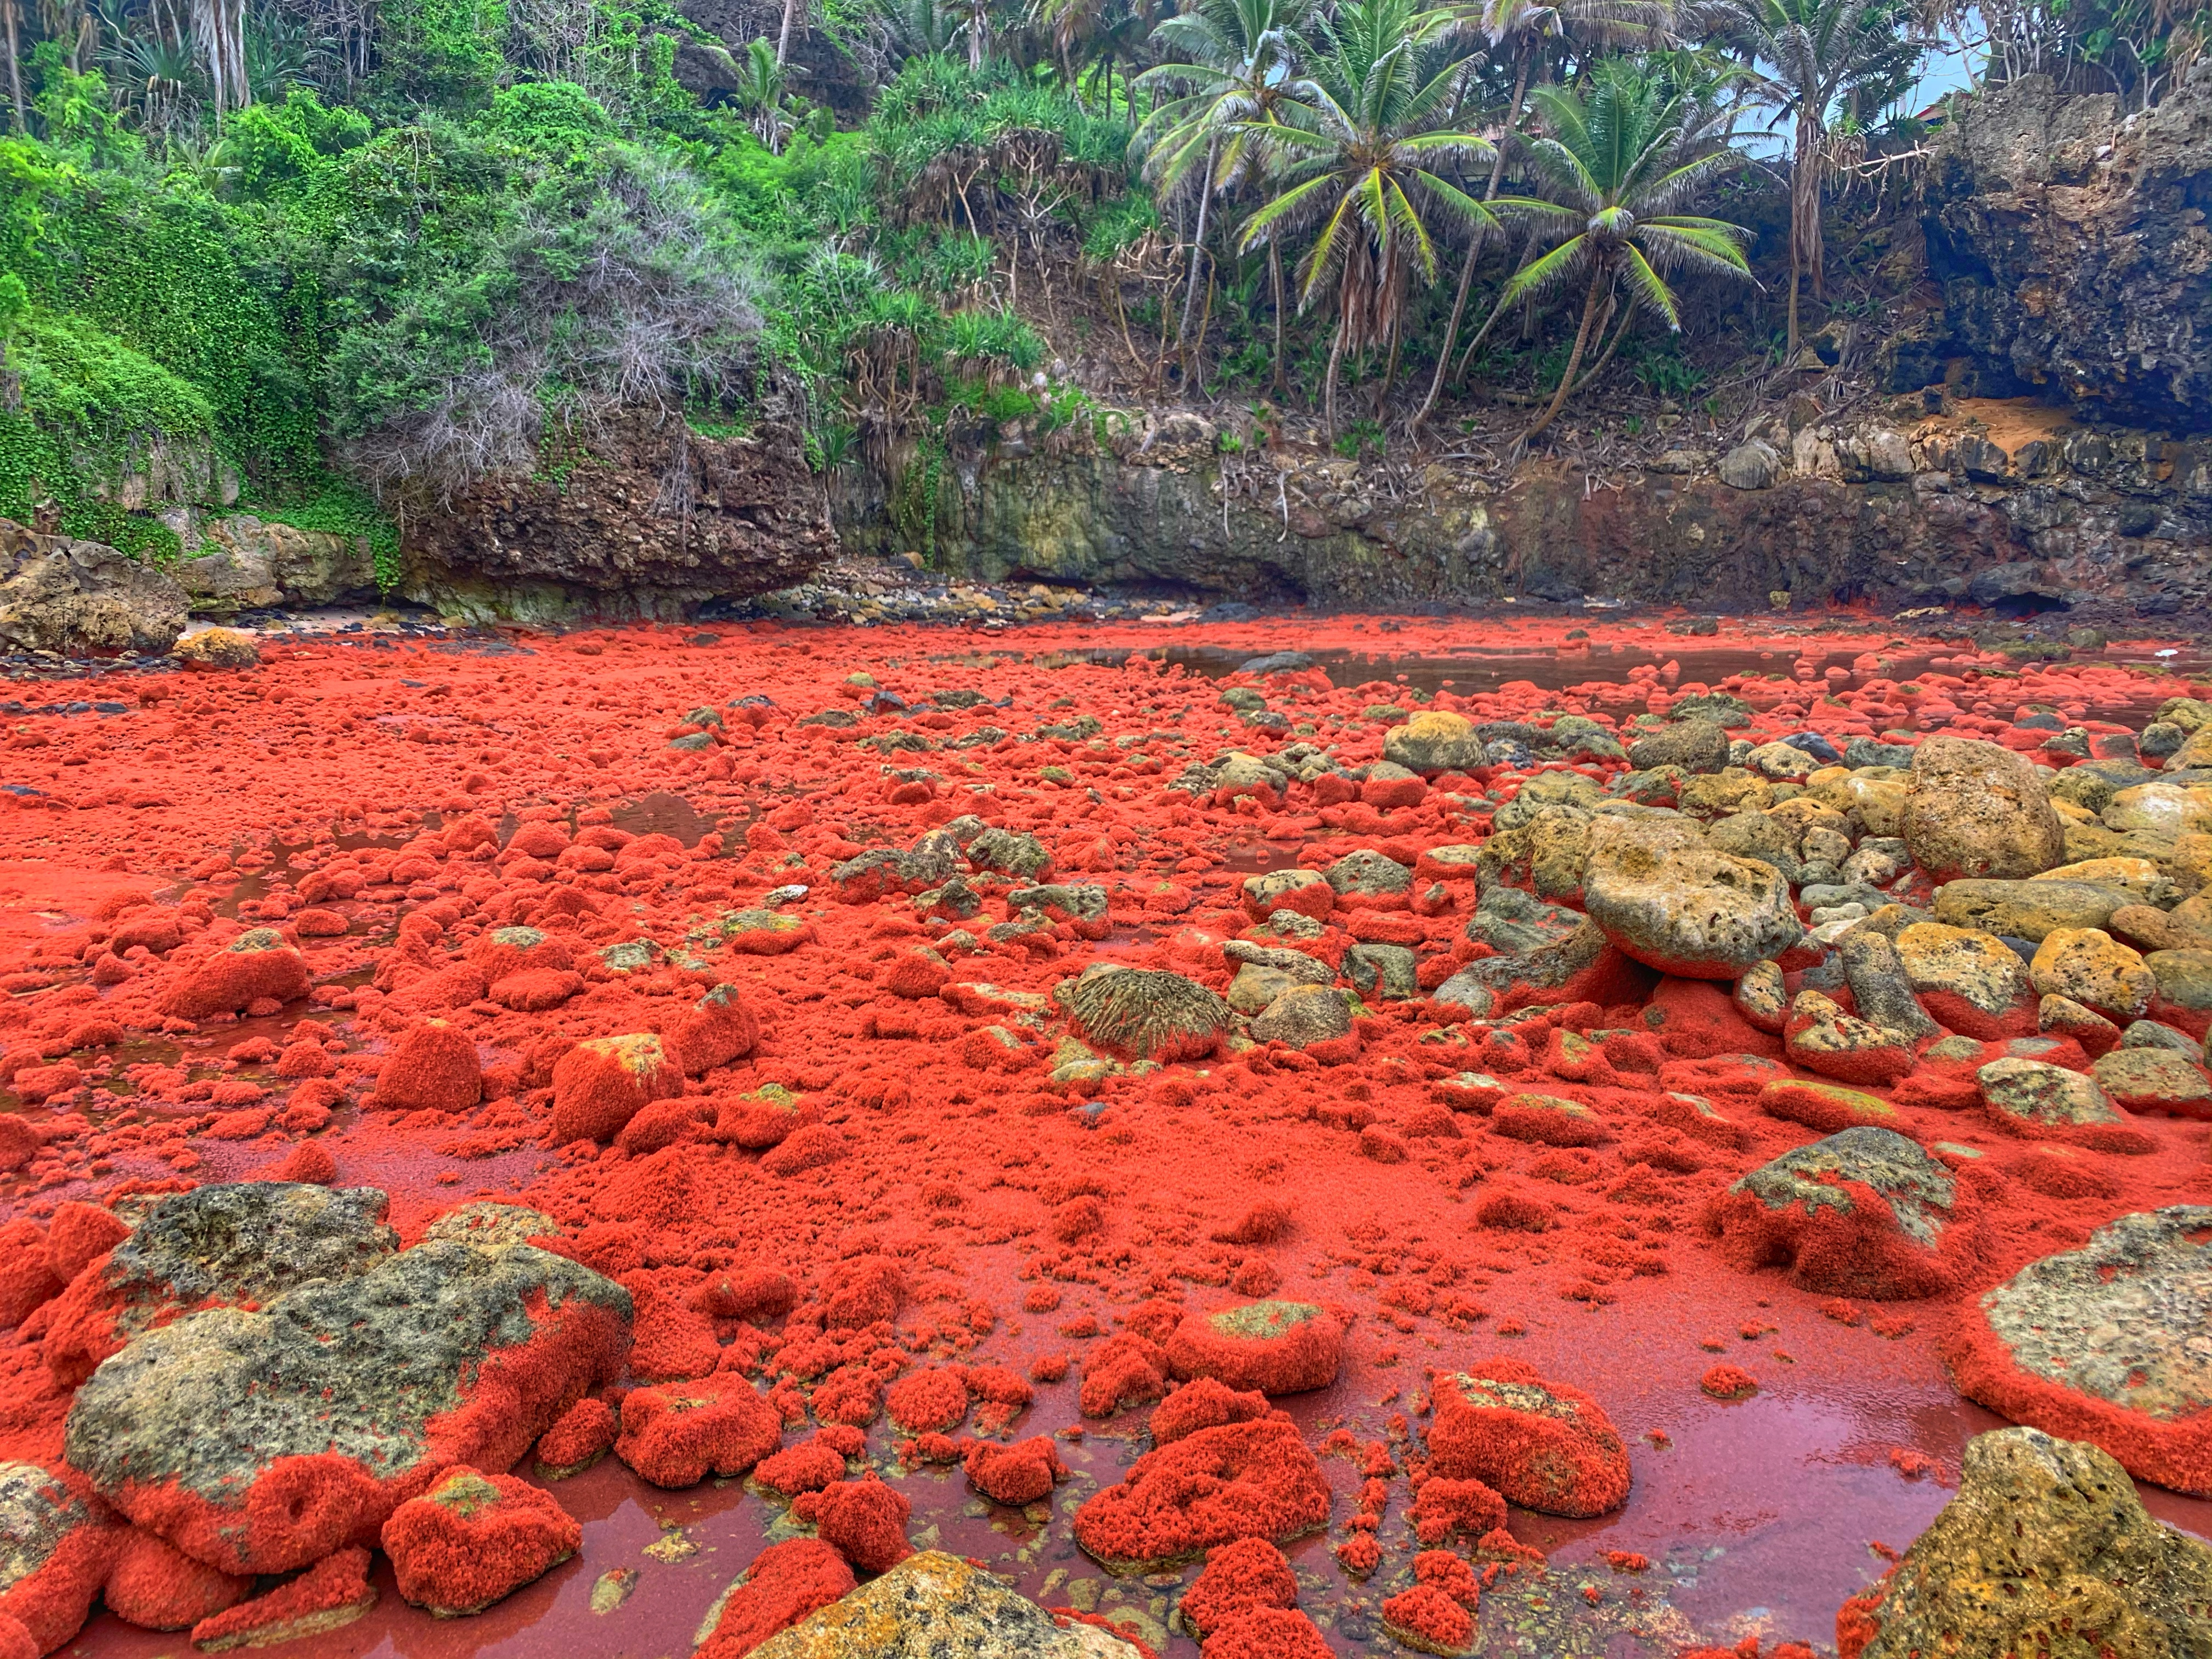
x: 2045, y: 1548
x: 73, y: 597
x: 1865, y: 1211
x: 215, y: 1246
x: 2031, y: 1092
x: 1977, y: 810
x: 941, y: 1605
x: 703, y: 518
x: 1687, y: 910
x: 259, y: 1441
x: 1543, y: 1444
x: 2106, y: 1343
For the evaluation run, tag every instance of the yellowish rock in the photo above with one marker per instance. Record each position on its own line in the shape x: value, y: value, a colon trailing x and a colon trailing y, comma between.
x: 2089, y: 966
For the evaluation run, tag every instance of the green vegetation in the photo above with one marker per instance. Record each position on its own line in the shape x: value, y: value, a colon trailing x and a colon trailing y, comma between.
x: 336, y: 265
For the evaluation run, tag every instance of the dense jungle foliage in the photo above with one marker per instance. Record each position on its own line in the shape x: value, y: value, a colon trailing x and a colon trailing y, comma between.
x: 332, y: 260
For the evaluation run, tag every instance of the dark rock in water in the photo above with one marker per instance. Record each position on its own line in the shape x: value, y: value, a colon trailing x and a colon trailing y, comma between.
x: 258, y: 1441
x: 2045, y: 1549
x: 1281, y: 662
x: 1816, y: 745
x: 1865, y: 751
x: 2107, y: 1340
x: 1229, y: 610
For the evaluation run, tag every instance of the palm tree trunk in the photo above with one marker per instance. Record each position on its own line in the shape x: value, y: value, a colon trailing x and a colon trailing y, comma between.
x: 1275, y: 273
x: 1473, y: 252
x: 1328, y: 394
x: 1198, y: 243
x: 783, y: 36
x: 1598, y: 283
x: 14, y: 70
x: 1805, y: 251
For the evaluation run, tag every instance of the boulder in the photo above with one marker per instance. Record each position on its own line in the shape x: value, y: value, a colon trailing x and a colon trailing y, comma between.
x: 1542, y: 1444
x: 215, y: 1246
x: 1880, y: 989
x: 259, y: 1441
x: 1253, y: 1479
x: 1864, y: 1212
x: 1821, y: 1037
x: 2045, y: 1548
x: 75, y: 597
x: 1969, y: 982
x: 474, y: 1538
x: 2029, y: 909
x: 2032, y: 1093
x: 2155, y: 1079
x: 1675, y: 905
x: 1977, y: 810
x: 1144, y: 1013
x: 2089, y: 966
x: 1434, y: 741
x: 1689, y: 745
x: 1751, y: 465
x: 940, y: 1605
x: 1303, y: 1015
x: 2106, y: 1343
x: 1271, y: 1347
x: 57, y: 1543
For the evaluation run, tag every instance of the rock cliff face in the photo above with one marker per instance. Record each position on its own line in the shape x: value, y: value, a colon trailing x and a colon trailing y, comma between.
x: 2073, y: 253
x: 652, y: 522
x: 2008, y: 506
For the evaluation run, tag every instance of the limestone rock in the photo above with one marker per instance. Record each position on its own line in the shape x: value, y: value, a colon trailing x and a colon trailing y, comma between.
x: 2030, y: 1091
x: 217, y: 1245
x: 935, y: 1606
x: 2029, y: 909
x: 1821, y: 1037
x: 1305, y: 1015
x: 2089, y: 966
x: 1691, y: 745
x: 1864, y: 1211
x: 214, y: 648
x: 1969, y: 980
x: 1543, y: 1444
x: 1880, y: 987
x: 2108, y: 1342
x: 1685, y: 909
x: 2155, y: 1079
x: 1367, y: 873
x: 2044, y: 1549
x: 258, y: 1441
x: 1977, y: 810
x: 72, y: 597
x: 1433, y: 741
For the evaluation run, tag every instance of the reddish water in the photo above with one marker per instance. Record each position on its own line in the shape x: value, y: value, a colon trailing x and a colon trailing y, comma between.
x: 1759, y: 1518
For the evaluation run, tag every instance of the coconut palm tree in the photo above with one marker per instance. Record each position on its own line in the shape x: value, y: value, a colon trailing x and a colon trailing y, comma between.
x: 1364, y: 144
x: 1518, y: 31
x: 1616, y: 160
x: 1807, y: 55
x: 1237, y: 71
